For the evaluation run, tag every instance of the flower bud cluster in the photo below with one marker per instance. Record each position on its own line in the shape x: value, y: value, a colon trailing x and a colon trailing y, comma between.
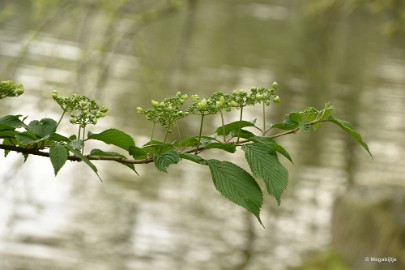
x: 169, y: 110
x: 10, y: 89
x: 84, y: 111
x: 166, y: 112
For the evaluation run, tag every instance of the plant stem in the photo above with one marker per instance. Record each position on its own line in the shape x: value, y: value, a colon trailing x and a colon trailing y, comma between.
x: 240, y: 120
x: 178, y: 130
x: 60, y: 119
x: 153, y: 130
x: 84, y: 132
x: 264, y: 118
x: 200, y: 133
x: 223, y: 124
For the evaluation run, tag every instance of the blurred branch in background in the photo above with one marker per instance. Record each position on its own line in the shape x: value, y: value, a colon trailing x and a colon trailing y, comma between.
x: 391, y: 13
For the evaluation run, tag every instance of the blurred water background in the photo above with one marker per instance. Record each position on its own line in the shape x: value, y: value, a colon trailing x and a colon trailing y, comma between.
x: 124, y: 53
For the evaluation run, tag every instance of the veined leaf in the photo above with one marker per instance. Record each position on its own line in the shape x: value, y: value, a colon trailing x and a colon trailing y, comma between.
x: 84, y: 159
x: 295, y: 117
x: 12, y: 121
x: 101, y: 153
x: 194, y: 158
x: 29, y: 138
x: 264, y: 163
x: 156, y: 147
x: 8, y: 133
x: 115, y: 137
x: 223, y: 146
x: 162, y: 162
x: 346, y: 126
x: 275, y: 146
x: 42, y: 128
x: 237, y: 185
x: 233, y: 126
x: 58, y: 155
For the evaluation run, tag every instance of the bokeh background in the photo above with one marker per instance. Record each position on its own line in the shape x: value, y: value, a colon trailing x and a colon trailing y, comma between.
x: 341, y: 205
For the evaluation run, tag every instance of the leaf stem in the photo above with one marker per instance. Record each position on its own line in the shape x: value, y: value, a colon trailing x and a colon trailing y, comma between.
x: 200, y: 133
x: 240, y: 120
x: 264, y: 118
x: 223, y: 124
x: 84, y: 132
x: 60, y: 119
x: 153, y: 130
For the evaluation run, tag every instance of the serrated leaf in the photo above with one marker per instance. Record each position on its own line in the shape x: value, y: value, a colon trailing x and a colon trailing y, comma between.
x: 115, y: 137
x: 42, y: 128
x: 228, y: 128
x: 237, y: 185
x: 194, y: 158
x: 275, y: 146
x: 84, y: 159
x: 58, y: 156
x: 162, y: 162
x: 264, y: 164
x: 101, y: 153
x: 231, y: 148
x: 346, y: 126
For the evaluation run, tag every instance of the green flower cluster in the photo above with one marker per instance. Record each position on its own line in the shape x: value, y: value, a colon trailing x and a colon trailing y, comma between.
x: 10, y: 89
x: 84, y: 111
x: 167, y: 112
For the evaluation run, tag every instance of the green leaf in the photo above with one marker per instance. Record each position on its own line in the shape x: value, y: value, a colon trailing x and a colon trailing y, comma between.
x: 58, y: 155
x: 59, y: 138
x: 242, y: 134
x: 162, y: 162
x: 84, y: 159
x: 42, y: 128
x: 346, y: 126
x: 12, y: 121
x: 115, y: 137
x: 237, y: 185
x: 156, y: 147
x: 310, y: 114
x: 264, y: 163
x: 295, y: 117
x: 285, y: 126
x: 228, y: 128
x: 194, y: 158
x: 326, y: 112
x: 28, y: 138
x: 223, y: 146
x: 100, y: 153
x: 8, y: 133
x: 275, y: 146
x: 193, y: 141
x: 137, y: 153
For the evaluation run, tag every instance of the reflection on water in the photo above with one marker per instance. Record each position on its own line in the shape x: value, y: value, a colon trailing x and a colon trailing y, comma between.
x: 157, y: 221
